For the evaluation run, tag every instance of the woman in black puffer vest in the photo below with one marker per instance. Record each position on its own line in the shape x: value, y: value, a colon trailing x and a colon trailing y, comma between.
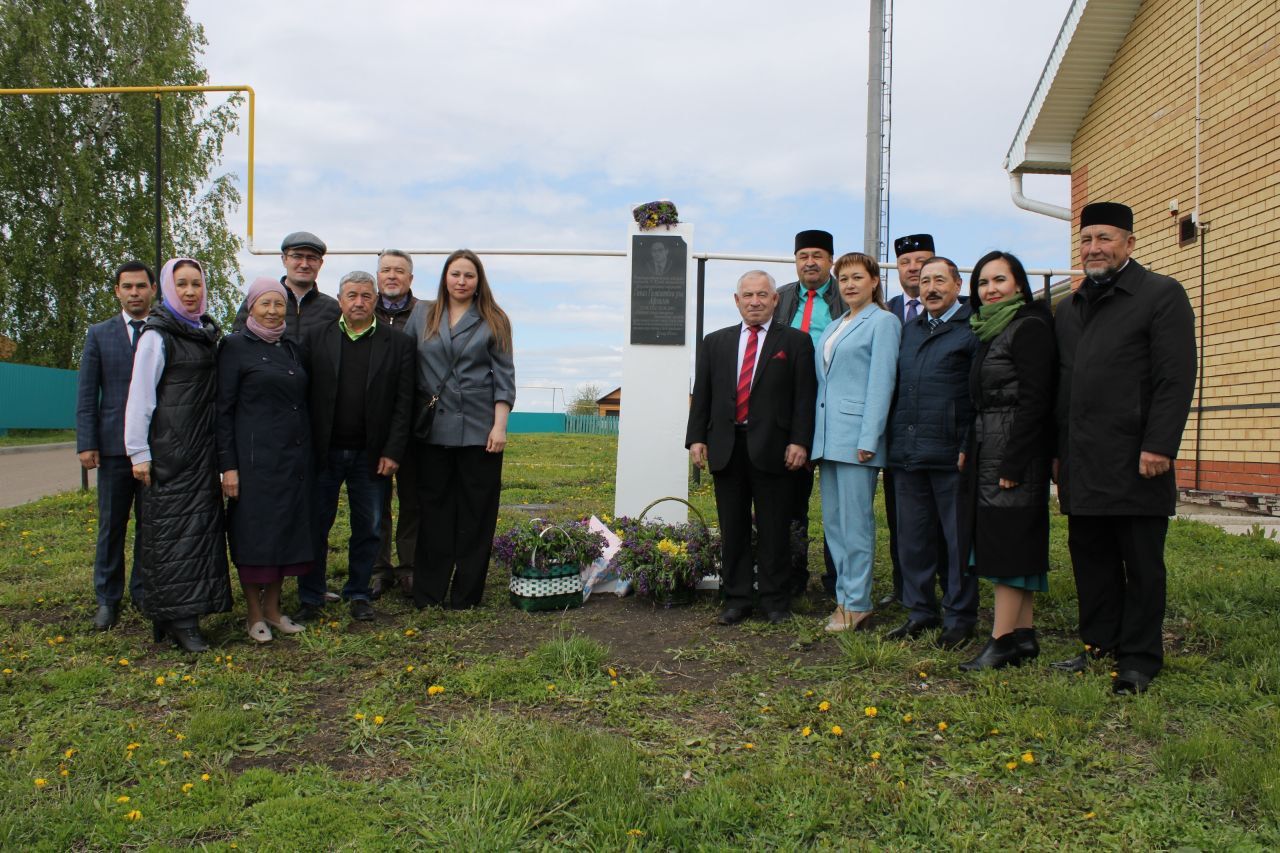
x: 1011, y: 385
x: 169, y: 435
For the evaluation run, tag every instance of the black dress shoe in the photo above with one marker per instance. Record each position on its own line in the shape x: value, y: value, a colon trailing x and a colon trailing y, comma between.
x: 187, y: 637
x: 955, y: 636
x: 913, y: 628
x: 1025, y: 641
x: 778, y: 617
x: 1080, y: 662
x: 361, y: 610
x: 1130, y: 682
x: 308, y: 613
x: 733, y: 615
x: 998, y: 653
x: 106, y: 617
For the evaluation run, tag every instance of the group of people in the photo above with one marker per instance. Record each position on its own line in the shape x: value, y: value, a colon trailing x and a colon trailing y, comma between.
x: 972, y: 405
x: 245, y: 440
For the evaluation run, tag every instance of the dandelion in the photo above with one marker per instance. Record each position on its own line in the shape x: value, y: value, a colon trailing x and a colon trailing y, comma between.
x: 162, y: 762
x: 159, y: 681
x: 409, y: 668
x: 132, y: 746
x: 870, y: 711
x: 1028, y: 758
x: 8, y: 671
x: 806, y: 731
x: 995, y: 731
x: 435, y: 690
x: 218, y: 659
x: 204, y: 777
x: 613, y: 683
x: 333, y: 624
x: 186, y: 753
x: 764, y: 709
x: 837, y: 731
x: 122, y: 799
x: 123, y: 661
x: 180, y: 736
x: 410, y: 632
x: 70, y: 752
x: 1012, y: 765
x: 551, y: 688
x: 41, y: 783
x: 187, y: 786
x: 824, y: 706
x: 748, y: 745
x: 906, y: 718
x: 187, y: 678
x: 378, y: 720
x: 923, y: 674
x: 358, y: 717
x: 875, y: 756
x: 1090, y: 815
x: 64, y: 772
x: 942, y: 727
x: 133, y: 815
x: 808, y: 694
x: 635, y: 833
x: 613, y: 673
x: 1114, y: 673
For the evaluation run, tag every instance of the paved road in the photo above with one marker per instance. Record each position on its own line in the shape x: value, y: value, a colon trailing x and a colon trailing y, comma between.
x: 27, y: 473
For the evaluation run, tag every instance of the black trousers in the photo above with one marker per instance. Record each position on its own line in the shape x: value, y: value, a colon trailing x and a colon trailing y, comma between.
x: 458, y: 492
x: 405, y: 524
x: 739, y: 487
x: 802, y: 491
x: 1120, y: 584
x: 891, y: 515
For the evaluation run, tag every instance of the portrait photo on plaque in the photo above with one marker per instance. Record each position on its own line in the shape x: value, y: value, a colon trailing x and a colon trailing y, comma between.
x: 659, y: 272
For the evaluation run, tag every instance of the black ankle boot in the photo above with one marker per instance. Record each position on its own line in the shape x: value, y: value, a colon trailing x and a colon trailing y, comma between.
x: 186, y: 635
x: 1028, y: 648
x: 999, y: 652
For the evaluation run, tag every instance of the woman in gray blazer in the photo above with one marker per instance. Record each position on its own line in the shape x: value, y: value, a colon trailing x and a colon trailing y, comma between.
x: 465, y: 362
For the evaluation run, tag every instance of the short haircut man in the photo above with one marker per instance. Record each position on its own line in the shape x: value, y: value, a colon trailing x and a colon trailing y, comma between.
x: 1127, y: 372
x: 394, y: 306
x: 809, y: 304
x: 928, y: 435
x: 754, y: 433
x: 306, y: 308
x: 361, y: 392
x: 106, y: 367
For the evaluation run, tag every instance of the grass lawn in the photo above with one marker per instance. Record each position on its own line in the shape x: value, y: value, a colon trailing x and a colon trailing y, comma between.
x: 17, y: 437
x: 707, y: 738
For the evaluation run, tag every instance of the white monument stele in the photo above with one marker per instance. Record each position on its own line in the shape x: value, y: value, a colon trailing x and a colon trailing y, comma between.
x: 656, y: 358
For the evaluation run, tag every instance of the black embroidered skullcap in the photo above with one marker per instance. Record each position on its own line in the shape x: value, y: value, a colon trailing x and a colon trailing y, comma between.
x: 816, y: 240
x: 1107, y: 213
x: 913, y: 243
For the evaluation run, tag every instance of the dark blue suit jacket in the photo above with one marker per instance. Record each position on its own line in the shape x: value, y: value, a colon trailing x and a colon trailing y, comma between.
x: 895, y: 304
x: 105, y: 369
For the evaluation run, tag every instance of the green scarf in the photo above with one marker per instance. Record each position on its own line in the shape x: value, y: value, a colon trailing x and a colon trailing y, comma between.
x: 990, y: 319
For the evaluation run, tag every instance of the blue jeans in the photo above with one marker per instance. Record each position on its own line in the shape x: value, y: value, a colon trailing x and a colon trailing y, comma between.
x: 365, y: 494
x: 117, y: 496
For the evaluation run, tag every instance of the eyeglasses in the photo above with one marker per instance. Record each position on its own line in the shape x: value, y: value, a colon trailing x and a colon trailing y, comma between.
x: 303, y: 256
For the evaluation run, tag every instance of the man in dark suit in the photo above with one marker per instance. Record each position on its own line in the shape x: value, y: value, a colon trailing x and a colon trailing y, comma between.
x: 1127, y: 348
x: 306, y: 309
x: 105, y: 370
x: 751, y: 423
x: 809, y: 304
x: 361, y: 396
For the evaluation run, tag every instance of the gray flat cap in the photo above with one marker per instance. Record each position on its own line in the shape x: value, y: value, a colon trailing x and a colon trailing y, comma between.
x: 303, y: 240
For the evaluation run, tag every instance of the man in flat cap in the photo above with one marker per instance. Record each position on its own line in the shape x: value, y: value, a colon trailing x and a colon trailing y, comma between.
x: 306, y: 309
x: 1127, y: 350
x: 809, y: 304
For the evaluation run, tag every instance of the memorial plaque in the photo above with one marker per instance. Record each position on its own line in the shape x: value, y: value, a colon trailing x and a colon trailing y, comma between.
x: 659, y: 271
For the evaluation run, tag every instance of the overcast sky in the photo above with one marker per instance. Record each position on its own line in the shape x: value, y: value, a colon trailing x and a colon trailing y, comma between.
x: 538, y: 125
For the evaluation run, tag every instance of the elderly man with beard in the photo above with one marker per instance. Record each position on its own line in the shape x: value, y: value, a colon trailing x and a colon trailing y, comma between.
x: 1127, y: 372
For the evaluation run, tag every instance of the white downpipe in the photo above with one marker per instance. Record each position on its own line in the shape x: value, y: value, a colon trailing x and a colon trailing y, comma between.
x: 1042, y: 207
x: 1195, y: 214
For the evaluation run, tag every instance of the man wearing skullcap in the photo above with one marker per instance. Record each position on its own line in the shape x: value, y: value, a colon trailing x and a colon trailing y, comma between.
x: 1127, y: 349
x: 809, y: 304
x: 306, y: 309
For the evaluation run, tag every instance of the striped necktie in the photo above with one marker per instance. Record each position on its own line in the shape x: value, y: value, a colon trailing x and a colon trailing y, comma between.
x: 745, y: 374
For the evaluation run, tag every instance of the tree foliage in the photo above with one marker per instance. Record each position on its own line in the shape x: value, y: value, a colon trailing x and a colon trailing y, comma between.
x: 584, y: 401
x: 76, y: 181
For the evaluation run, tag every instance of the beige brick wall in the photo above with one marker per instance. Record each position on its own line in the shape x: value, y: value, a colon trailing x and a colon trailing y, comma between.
x: 1137, y: 145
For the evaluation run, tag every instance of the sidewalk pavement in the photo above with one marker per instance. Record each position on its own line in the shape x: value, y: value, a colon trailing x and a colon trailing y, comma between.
x: 31, y: 471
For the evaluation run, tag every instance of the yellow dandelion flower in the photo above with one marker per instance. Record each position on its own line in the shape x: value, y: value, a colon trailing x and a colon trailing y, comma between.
x: 41, y: 783
x: 808, y: 694
x: 613, y: 673
x: 204, y: 777
x: 8, y: 671
x: 1012, y: 765
x: 123, y: 662
x: 159, y: 681
x: 358, y: 716
x: 132, y: 746
x: 875, y: 756
x: 63, y: 772
x: 923, y: 674
x: 764, y: 709
x: 187, y: 786
x: 163, y: 762
x: 1028, y: 758
x: 122, y: 799
x: 333, y: 624
x: 995, y: 731
x: 180, y: 736
x: 551, y: 688
x: 59, y: 639
x: 870, y: 711
x: 837, y: 731
x: 186, y: 753
x: 410, y: 632
x: 187, y: 678
x: 218, y: 659
x: 409, y: 668
x: 942, y: 727
x: 1090, y: 815
x: 748, y: 745
x: 1114, y: 673
x: 906, y: 718
x: 435, y: 690
x: 806, y: 731
x: 70, y: 752
x: 228, y: 658
x: 635, y: 833
x: 824, y: 706
x: 134, y: 815
x: 378, y: 720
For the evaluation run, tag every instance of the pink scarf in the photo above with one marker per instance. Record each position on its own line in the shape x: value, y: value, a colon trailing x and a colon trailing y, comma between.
x: 261, y: 286
x: 169, y: 292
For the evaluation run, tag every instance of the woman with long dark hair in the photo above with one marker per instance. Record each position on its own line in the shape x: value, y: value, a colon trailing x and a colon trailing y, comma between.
x: 1011, y: 385
x: 169, y: 436
x: 466, y: 372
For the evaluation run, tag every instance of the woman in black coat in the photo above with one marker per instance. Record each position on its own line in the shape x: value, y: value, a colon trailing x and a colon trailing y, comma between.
x: 264, y: 453
x: 169, y: 436
x: 1011, y: 385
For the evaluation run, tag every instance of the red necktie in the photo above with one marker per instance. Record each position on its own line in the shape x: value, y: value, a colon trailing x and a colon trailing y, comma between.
x: 744, y: 376
x: 808, y: 310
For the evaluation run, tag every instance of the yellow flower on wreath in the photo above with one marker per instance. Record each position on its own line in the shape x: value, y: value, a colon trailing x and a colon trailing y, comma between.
x: 671, y: 548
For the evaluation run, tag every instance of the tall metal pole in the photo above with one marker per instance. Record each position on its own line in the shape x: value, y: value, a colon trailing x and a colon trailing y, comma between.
x: 159, y: 182
x: 875, y: 129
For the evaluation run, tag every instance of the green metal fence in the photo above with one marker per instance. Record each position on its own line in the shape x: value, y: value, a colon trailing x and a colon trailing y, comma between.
x: 590, y: 424
x: 36, y: 397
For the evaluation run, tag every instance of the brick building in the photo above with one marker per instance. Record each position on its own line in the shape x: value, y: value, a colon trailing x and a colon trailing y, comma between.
x: 1117, y: 108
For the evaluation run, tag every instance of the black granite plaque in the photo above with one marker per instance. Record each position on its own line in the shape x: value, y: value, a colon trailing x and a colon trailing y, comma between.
x: 659, y: 267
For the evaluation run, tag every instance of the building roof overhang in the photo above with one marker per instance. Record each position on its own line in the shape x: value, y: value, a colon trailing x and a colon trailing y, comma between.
x: 1086, y: 45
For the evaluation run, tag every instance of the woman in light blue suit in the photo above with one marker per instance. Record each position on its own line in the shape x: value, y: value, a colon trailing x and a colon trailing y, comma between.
x: 857, y: 364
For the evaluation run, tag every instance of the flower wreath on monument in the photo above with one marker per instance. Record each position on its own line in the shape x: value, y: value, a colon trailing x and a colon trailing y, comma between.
x: 654, y: 213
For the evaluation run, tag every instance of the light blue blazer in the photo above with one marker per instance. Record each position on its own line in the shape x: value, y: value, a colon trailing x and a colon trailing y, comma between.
x: 855, y: 388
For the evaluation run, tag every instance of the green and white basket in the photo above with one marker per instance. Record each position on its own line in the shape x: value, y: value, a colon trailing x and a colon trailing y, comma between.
x: 554, y: 587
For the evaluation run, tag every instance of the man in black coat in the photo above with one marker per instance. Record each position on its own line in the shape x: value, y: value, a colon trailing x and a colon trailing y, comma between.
x: 106, y: 368
x: 751, y: 423
x: 1127, y: 350
x: 395, y: 303
x: 928, y: 432
x: 361, y: 395
x: 809, y: 304
x: 306, y: 309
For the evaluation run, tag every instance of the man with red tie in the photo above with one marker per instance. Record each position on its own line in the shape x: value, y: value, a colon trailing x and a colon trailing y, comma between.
x: 809, y: 304
x: 751, y: 423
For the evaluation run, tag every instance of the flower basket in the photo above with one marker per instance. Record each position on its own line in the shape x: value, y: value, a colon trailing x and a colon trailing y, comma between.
x: 545, y: 561
x: 654, y: 213
x: 665, y: 561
